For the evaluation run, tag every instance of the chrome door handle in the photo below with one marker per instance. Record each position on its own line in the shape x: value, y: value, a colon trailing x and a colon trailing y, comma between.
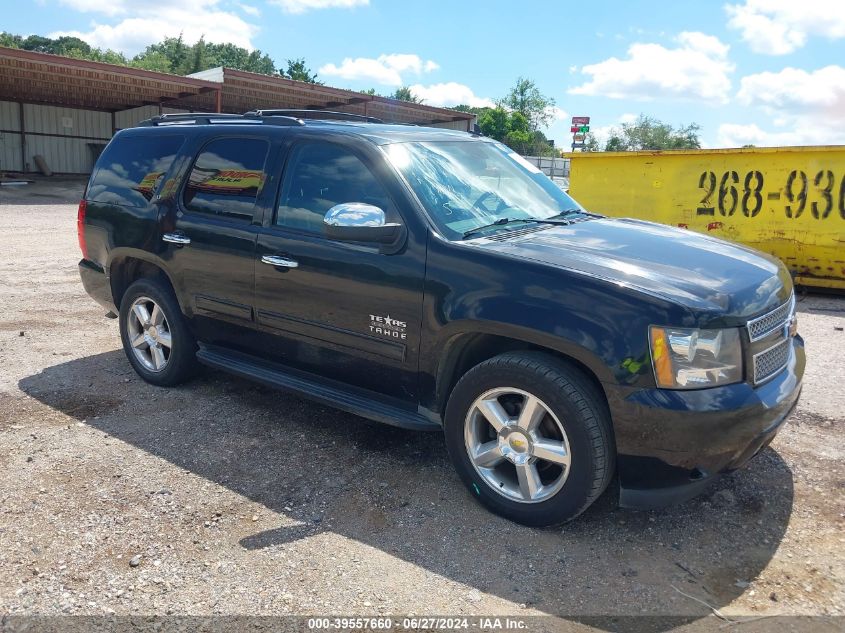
x: 278, y: 260
x: 176, y: 238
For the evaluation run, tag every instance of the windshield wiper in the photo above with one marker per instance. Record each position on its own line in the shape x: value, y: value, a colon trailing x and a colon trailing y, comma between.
x: 570, y: 212
x: 505, y: 221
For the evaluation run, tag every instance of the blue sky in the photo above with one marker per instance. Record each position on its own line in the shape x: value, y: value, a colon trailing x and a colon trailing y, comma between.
x: 768, y: 72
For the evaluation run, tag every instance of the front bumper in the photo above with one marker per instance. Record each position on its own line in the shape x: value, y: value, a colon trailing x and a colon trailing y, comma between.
x: 671, y: 443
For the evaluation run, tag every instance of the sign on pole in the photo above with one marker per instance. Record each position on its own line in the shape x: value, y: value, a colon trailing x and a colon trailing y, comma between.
x: 579, y: 129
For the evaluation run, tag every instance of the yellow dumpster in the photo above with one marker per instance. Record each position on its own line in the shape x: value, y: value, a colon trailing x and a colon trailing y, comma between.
x: 787, y: 201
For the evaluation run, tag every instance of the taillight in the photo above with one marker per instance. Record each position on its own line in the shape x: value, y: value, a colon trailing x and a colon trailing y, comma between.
x: 80, y: 228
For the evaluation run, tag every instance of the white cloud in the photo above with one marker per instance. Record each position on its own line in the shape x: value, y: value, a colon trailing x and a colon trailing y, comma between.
x: 794, y: 91
x: 249, y: 9
x: 385, y: 69
x: 698, y: 69
x: 157, y: 19
x: 807, y: 106
x: 402, y: 62
x: 778, y: 27
x: 301, y: 6
x: 556, y: 114
x: 96, y: 6
x: 737, y: 135
x: 450, y: 94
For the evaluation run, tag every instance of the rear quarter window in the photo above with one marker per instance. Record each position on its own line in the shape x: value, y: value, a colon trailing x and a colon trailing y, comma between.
x: 131, y: 169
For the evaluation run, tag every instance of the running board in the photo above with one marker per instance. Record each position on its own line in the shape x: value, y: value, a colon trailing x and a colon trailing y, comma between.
x: 300, y: 383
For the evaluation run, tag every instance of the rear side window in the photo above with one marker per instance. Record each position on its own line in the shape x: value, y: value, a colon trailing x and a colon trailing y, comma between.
x: 227, y: 178
x: 131, y: 169
x: 320, y: 175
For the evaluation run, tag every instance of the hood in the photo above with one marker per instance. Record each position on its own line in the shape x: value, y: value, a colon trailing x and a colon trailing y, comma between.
x: 688, y: 268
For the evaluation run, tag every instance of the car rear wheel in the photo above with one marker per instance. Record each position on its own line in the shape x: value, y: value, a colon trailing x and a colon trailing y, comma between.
x: 531, y: 438
x: 155, y: 335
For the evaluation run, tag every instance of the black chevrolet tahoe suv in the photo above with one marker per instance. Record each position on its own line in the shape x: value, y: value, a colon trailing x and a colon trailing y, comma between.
x: 434, y: 279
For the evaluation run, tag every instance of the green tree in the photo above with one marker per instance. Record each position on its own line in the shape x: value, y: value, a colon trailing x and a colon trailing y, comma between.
x: 184, y: 59
x: 198, y: 58
x: 591, y: 143
x: 65, y: 43
x: 156, y: 61
x: 232, y: 56
x: 404, y: 93
x: 520, y: 136
x: 469, y: 109
x: 10, y: 40
x: 107, y: 56
x: 257, y: 62
x: 527, y: 99
x: 38, y: 44
x: 495, y: 123
x: 648, y: 133
x: 300, y: 72
x: 174, y: 49
x: 171, y: 55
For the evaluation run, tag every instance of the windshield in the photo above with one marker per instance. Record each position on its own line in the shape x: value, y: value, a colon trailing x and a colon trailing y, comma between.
x: 467, y: 185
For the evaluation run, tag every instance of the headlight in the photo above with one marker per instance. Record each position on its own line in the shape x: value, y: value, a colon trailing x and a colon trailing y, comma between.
x: 694, y: 359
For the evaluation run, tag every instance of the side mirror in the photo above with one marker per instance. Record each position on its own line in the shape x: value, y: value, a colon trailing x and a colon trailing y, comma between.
x: 359, y: 222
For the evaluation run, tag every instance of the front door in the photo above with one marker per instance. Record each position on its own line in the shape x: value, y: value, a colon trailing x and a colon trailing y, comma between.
x: 341, y: 310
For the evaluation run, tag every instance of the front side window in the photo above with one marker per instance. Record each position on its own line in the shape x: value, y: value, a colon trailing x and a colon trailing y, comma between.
x: 227, y: 178
x: 132, y: 167
x: 466, y: 185
x: 320, y: 175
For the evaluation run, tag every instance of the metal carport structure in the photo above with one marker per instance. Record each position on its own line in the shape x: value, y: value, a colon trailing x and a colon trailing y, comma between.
x: 66, y: 109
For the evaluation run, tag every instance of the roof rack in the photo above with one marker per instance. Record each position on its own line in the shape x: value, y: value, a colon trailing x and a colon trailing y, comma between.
x: 329, y: 115
x: 206, y: 118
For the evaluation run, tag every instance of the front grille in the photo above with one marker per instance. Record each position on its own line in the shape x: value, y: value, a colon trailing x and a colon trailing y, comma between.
x: 762, y: 326
x: 771, y: 361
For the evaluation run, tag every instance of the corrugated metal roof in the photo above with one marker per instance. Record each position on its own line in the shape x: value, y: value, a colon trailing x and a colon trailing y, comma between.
x: 30, y: 77
x: 243, y: 91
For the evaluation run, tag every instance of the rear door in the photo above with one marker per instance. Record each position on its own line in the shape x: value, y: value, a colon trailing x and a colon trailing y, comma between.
x: 345, y: 311
x: 210, y: 235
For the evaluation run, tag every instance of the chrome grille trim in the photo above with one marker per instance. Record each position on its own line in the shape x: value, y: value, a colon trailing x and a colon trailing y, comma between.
x: 768, y: 363
x: 764, y: 325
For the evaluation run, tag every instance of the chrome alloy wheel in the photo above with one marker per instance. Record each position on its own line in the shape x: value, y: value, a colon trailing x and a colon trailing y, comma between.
x: 517, y: 445
x: 149, y: 334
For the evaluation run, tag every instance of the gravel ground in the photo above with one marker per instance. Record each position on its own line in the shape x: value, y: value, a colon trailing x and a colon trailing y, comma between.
x: 223, y: 497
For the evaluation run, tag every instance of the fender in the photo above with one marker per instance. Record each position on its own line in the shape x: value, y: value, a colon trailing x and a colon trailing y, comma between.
x: 597, y: 323
x: 125, y: 252
x: 459, y: 336
x: 452, y: 334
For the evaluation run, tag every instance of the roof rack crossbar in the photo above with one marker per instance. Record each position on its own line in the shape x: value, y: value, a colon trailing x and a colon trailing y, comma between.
x: 208, y: 118
x: 330, y: 115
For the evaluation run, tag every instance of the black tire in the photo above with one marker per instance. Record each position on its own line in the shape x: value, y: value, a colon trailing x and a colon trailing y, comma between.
x: 181, y: 362
x: 579, y: 407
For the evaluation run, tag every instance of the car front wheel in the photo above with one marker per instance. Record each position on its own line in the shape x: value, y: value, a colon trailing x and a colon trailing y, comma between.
x: 530, y: 436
